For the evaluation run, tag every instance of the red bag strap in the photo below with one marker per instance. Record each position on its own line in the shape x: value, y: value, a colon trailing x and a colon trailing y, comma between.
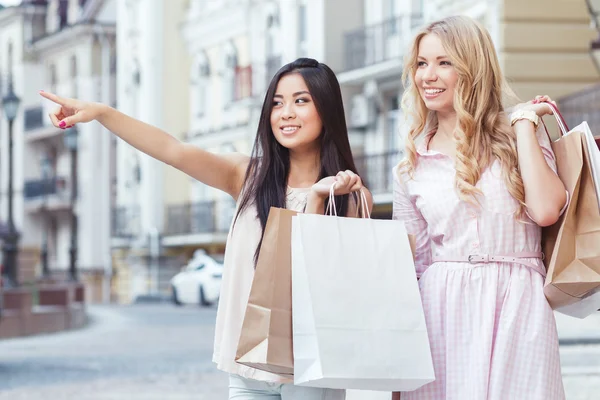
x: 562, y: 124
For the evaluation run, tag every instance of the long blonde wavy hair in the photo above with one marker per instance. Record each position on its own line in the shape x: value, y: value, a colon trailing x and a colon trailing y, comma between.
x: 483, y: 133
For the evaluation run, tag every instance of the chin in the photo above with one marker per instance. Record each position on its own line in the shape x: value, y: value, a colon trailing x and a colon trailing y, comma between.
x: 291, y: 144
x: 295, y: 145
x: 287, y: 143
x: 437, y: 107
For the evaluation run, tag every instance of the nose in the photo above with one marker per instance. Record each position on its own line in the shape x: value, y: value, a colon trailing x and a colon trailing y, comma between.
x: 430, y: 74
x: 288, y: 112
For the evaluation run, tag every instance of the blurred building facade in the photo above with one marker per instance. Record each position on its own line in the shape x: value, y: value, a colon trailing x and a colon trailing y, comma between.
x: 543, y: 49
x: 153, y: 86
x: 234, y: 47
x: 65, y: 46
x: 199, y: 70
x: 585, y: 104
x: 215, y: 90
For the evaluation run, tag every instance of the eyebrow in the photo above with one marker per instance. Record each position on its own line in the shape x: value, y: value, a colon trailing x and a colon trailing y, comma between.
x: 295, y: 94
x: 437, y: 58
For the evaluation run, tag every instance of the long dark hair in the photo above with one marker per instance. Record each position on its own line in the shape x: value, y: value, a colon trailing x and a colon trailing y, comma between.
x: 265, y: 184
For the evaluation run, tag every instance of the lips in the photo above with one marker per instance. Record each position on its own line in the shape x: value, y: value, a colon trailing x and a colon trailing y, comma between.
x: 289, y: 129
x: 431, y: 93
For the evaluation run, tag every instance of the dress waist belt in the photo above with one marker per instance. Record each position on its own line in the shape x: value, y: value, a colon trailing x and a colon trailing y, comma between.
x: 512, y: 258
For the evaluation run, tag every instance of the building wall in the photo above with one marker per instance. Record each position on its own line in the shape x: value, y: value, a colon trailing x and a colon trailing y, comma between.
x: 542, y: 46
x: 340, y: 16
x: 153, y: 77
x: 213, y: 36
x: 176, y: 74
x: 212, y: 31
x: 31, y: 72
x: 11, y: 32
x: 545, y: 46
x: 91, y: 81
x: 151, y: 45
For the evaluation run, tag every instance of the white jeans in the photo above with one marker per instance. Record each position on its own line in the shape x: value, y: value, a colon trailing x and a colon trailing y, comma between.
x: 250, y: 389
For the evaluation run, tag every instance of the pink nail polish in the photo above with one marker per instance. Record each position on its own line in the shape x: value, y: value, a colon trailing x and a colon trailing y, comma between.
x: 62, y: 124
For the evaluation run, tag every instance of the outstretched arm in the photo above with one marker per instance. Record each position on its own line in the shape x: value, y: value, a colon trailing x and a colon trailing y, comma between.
x: 224, y: 172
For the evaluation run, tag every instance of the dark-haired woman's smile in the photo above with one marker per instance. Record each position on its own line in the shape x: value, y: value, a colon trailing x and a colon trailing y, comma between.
x: 289, y: 129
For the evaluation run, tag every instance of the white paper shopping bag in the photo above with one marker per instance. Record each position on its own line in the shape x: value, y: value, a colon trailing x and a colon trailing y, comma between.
x: 358, y: 321
x: 593, y: 154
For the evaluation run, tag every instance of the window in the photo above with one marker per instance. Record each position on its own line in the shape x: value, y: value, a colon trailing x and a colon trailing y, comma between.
x: 63, y: 13
x: 417, y: 12
x: 390, y: 8
x: 393, y: 126
x: 113, y: 60
x: 53, y: 241
x: 10, y: 58
x: 73, y: 76
x: 418, y: 6
x: 52, y: 77
x: 198, y: 191
x: 272, y: 32
x: 390, y: 16
x: 136, y: 76
x: 231, y: 63
x: 243, y: 82
x: 201, y: 81
x: 273, y: 59
x: 302, y: 30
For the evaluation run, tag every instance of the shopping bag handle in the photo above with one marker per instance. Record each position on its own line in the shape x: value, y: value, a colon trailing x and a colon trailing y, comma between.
x: 562, y: 124
x: 363, y: 206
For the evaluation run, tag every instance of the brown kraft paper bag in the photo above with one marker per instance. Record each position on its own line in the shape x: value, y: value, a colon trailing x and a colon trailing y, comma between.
x: 572, y: 245
x: 266, y: 338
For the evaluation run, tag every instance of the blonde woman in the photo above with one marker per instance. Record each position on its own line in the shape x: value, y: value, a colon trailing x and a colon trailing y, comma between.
x: 477, y: 185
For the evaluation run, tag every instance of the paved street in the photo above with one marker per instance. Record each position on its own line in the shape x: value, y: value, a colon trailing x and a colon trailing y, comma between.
x: 137, y: 352
x: 580, y: 356
x: 163, y: 352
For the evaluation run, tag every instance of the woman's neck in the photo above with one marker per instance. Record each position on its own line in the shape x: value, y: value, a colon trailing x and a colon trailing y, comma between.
x: 304, y: 169
x: 446, y: 125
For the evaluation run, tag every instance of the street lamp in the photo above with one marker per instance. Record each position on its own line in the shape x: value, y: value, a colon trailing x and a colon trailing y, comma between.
x: 10, y: 248
x: 594, y: 9
x: 46, y: 176
x: 70, y: 140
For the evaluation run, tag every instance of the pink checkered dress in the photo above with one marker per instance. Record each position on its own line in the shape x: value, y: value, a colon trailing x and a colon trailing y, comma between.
x: 492, y: 332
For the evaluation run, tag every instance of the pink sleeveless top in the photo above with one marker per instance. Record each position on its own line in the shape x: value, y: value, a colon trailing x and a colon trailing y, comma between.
x: 235, y: 287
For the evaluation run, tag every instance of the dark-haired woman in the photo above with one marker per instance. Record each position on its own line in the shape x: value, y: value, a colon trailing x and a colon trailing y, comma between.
x: 301, y: 149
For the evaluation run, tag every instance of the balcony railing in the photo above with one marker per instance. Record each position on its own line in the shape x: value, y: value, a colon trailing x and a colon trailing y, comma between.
x: 582, y: 106
x: 126, y: 221
x: 378, y: 43
x: 37, y: 188
x: 199, y: 217
x: 376, y: 170
x: 33, y: 118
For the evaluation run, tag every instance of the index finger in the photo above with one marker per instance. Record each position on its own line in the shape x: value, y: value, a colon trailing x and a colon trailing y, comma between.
x: 52, y: 97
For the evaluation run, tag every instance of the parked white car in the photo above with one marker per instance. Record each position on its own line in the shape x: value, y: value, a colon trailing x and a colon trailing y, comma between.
x: 199, y: 282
